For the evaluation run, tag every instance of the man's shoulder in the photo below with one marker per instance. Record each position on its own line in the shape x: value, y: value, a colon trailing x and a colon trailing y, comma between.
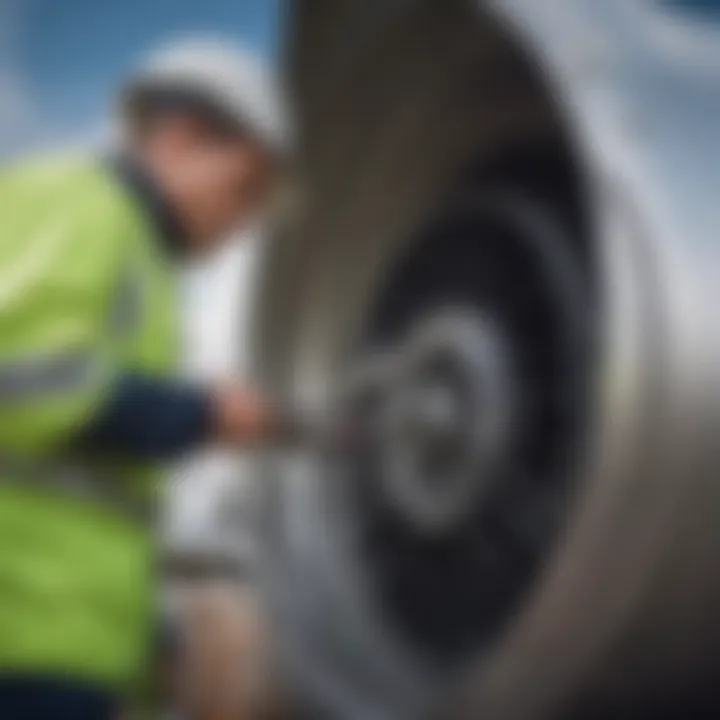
x: 52, y: 169
x: 79, y: 187
x: 69, y: 205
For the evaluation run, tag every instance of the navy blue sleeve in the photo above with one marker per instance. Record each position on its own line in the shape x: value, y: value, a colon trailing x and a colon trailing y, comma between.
x: 149, y: 418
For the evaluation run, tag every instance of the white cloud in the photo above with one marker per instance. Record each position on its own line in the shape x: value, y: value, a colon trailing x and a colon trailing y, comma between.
x: 9, y: 12
x: 14, y: 101
x: 22, y: 127
x: 19, y: 117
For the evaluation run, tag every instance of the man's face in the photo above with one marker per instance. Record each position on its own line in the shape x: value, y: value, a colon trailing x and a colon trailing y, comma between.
x: 233, y: 183
x: 220, y: 183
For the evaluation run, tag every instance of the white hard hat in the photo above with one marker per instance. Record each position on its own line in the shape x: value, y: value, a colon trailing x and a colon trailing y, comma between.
x: 228, y: 77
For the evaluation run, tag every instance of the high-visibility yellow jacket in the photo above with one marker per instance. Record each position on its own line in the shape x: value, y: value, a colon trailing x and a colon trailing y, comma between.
x: 85, y: 294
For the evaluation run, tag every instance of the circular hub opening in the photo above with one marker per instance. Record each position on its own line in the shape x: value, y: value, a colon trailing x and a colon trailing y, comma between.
x: 441, y: 417
x: 462, y: 489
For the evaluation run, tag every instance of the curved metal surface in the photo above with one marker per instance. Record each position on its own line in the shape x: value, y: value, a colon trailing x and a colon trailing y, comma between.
x: 394, y: 99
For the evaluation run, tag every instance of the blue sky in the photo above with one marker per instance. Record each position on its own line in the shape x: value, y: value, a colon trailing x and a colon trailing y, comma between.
x: 60, y: 60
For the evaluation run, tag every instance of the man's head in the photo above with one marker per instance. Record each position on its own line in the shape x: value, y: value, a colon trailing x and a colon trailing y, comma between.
x: 204, y: 121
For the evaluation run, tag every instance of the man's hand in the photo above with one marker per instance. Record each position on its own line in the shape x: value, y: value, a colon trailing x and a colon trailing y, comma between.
x: 244, y: 418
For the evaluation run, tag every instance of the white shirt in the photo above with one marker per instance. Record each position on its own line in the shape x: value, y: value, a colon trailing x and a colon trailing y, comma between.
x: 211, y: 496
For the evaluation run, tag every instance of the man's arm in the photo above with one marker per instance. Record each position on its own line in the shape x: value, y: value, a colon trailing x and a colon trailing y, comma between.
x: 60, y: 377
x: 147, y: 417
